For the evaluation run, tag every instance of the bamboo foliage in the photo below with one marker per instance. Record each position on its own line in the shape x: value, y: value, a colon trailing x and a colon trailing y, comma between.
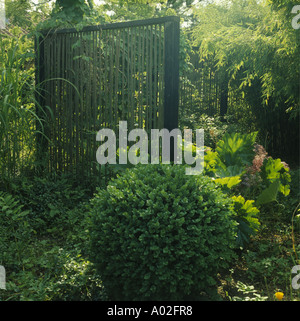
x: 199, y: 88
x: 17, y: 113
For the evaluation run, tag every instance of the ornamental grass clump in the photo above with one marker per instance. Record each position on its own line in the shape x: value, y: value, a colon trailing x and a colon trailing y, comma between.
x: 158, y: 234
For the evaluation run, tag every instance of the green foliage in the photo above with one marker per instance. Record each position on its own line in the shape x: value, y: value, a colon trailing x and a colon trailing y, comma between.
x: 269, y: 194
x: 49, y: 201
x: 26, y: 14
x: 265, y: 178
x: 120, y: 10
x: 256, y: 48
x: 14, y: 231
x: 71, y: 10
x: 43, y: 242
x: 290, y: 202
x: 53, y: 273
x: 232, y: 154
x: 236, y: 149
x: 246, y: 216
x: 240, y: 166
x: 17, y: 102
x: 228, y: 182
x: 235, y: 31
x: 226, y: 165
x: 237, y: 159
x: 249, y: 293
x: 70, y: 14
x: 158, y: 234
x: 275, y: 170
x: 214, y: 128
x: 76, y: 279
x: 269, y: 261
x: 164, y: 235
x: 18, y: 12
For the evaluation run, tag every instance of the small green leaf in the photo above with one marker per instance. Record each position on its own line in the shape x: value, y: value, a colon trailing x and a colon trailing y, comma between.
x: 228, y: 181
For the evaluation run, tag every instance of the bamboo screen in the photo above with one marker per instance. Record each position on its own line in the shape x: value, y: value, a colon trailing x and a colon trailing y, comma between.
x: 200, y: 88
x: 94, y: 78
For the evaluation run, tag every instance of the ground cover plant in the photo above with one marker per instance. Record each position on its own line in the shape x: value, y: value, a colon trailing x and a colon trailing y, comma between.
x: 151, y: 228
x: 54, y: 261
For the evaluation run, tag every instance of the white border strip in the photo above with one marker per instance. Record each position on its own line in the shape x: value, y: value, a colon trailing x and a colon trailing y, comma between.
x: 2, y: 14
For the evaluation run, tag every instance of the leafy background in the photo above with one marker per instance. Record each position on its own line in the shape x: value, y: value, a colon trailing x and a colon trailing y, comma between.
x: 251, y: 146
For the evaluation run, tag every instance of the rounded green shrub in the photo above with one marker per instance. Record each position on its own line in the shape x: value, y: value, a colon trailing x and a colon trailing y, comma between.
x: 158, y: 234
